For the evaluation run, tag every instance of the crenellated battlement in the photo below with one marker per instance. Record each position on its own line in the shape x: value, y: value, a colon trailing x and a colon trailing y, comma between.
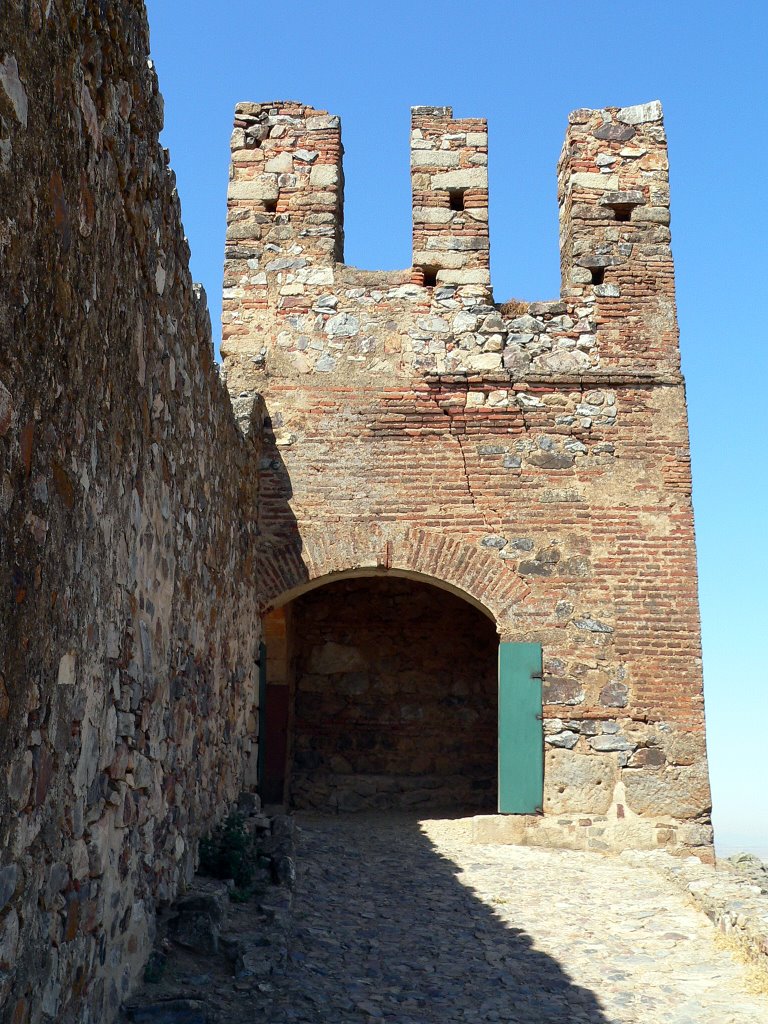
x: 613, y: 191
x: 286, y: 180
x: 291, y: 306
x: 449, y: 180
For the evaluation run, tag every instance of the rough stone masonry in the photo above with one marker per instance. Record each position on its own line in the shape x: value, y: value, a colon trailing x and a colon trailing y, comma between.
x: 531, y: 459
x: 129, y: 627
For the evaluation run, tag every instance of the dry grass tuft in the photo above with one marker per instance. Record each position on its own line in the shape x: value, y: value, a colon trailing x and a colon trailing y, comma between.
x: 756, y: 972
x: 514, y: 307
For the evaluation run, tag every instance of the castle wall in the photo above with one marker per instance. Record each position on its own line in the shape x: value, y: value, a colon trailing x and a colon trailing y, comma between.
x: 532, y: 455
x: 128, y: 629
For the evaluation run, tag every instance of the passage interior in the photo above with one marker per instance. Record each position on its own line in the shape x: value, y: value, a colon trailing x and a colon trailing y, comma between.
x: 391, y: 699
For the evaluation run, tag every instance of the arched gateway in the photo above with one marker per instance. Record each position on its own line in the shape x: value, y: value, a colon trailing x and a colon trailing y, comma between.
x: 384, y: 681
x: 473, y: 573
x: 531, y: 459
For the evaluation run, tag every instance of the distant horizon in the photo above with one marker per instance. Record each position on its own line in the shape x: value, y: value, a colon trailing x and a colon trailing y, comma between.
x: 724, y: 850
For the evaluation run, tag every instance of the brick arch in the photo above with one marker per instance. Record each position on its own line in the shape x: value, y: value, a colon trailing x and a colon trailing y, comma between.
x: 473, y: 573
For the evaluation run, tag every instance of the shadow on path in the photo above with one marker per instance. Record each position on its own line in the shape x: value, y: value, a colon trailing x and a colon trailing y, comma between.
x: 384, y: 930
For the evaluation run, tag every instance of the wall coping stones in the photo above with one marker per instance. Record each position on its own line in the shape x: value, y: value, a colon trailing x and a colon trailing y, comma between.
x: 641, y: 113
x: 617, y: 378
x: 735, y: 906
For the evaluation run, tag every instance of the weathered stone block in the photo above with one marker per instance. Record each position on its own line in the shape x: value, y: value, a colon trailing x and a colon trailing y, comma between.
x: 334, y: 657
x: 434, y: 158
x: 264, y: 187
x: 590, y: 180
x: 642, y: 113
x: 578, y: 783
x: 323, y: 176
x: 467, y: 177
x: 680, y: 792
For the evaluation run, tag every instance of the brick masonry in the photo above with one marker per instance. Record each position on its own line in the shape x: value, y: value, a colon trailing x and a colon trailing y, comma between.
x: 531, y: 457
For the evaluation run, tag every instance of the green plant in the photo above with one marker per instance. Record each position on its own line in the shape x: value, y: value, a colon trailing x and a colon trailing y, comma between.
x: 155, y: 968
x: 227, y: 852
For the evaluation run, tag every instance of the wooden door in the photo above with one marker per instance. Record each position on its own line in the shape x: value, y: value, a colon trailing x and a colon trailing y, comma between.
x: 521, y: 740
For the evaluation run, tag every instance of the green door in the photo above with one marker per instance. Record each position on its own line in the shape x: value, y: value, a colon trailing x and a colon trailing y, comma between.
x: 521, y: 741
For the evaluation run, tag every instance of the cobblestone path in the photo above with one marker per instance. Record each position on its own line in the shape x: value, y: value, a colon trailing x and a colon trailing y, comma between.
x: 396, y: 922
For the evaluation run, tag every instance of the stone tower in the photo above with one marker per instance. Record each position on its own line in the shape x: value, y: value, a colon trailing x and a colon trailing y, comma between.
x: 443, y: 475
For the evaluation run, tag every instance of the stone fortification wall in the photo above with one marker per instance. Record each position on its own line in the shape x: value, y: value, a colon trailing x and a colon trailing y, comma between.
x: 128, y: 624
x: 289, y: 299
x: 532, y: 455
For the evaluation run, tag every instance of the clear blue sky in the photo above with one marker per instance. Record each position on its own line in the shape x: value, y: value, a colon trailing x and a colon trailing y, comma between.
x: 524, y: 66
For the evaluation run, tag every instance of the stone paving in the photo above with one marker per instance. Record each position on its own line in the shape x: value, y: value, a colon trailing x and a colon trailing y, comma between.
x: 407, y: 922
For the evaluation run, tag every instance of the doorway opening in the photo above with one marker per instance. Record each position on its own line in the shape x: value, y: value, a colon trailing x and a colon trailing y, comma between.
x: 381, y: 694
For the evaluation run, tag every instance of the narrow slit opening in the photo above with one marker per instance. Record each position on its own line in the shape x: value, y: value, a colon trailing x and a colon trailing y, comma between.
x: 430, y: 276
x: 622, y: 212
x: 598, y: 274
x: 456, y: 198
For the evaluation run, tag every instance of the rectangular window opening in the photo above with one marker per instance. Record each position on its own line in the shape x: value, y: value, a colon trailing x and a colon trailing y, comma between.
x: 270, y: 205
x: 430, y: 276
x: 622, y: 212
x: 598, y: 274
x: 456, y: 198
